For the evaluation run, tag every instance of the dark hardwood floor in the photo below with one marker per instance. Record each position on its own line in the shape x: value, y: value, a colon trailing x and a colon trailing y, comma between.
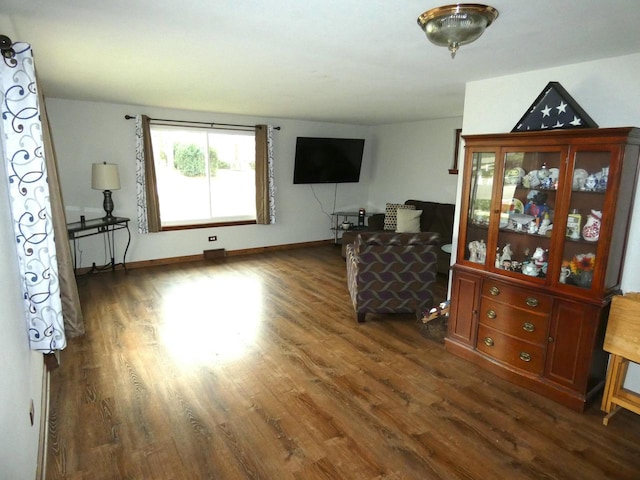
x: 254, y: 368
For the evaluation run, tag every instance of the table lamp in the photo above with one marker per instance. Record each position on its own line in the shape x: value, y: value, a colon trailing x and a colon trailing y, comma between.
x: 104, y: 176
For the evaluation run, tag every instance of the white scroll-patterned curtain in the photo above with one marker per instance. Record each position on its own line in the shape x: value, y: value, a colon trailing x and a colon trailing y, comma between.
x: 141, y: 194
x: 24, y: 160
x: 272, y: 181
x: 146, y: 185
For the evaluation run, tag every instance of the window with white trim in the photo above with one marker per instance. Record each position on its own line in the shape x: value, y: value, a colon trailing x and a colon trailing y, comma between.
x: 204, y: 176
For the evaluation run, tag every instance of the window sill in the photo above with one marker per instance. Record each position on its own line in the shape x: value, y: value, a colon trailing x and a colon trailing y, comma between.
x: 169, y: 228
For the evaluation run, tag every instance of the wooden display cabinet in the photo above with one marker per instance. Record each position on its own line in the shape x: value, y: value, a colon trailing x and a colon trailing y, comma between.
x: 543, y: 231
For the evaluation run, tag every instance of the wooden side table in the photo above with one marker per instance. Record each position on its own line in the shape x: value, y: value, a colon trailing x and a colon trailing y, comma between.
x: 622, y: 340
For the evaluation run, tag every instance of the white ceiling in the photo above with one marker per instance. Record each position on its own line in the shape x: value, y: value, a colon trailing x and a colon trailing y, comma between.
x: 354, y: 61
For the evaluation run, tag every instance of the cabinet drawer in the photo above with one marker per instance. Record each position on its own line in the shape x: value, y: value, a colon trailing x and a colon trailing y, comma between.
x: 517, y: 296
x: 507, y: 349
x: 522, y: 324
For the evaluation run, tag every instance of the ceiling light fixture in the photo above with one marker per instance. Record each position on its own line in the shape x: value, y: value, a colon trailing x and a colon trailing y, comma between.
x: 455, y: 25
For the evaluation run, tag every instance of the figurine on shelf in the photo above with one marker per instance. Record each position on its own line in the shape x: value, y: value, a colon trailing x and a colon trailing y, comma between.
x: 536, y: 207
x: 548, y: 183
x: 497, y: 264
x: 565, y: 272
x: 591, y: 229
x: 473, y: 251
x: 545, y: 225
x: 543, y: 172
x: 506, y: 254
x: 482, y: 252
x: 602, y: 181
x: 539, y: 258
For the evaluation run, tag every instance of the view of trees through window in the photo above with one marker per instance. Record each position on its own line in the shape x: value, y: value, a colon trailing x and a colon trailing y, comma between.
x: 204, y: 175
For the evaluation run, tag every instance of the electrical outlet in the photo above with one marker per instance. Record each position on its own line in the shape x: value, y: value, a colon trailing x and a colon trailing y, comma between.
x: 213, y: 238
x: 32, y: 412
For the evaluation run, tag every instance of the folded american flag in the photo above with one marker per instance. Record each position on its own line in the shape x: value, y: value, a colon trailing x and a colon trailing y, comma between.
x: 554, y: 108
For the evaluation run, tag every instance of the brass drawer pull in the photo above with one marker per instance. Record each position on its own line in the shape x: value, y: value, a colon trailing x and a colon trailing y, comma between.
x: 525, y: 357
x: 532, y: 302
x: 528, y: 327
x: 492, y: 314
x: 495, y: 291
x: 488, y: 341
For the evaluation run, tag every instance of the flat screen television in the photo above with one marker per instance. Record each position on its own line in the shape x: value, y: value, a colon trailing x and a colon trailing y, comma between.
x: 328, y: 160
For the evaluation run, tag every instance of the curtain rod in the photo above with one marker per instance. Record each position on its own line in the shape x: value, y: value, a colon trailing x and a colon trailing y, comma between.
x: 6, y: 47
x: 212, y: 124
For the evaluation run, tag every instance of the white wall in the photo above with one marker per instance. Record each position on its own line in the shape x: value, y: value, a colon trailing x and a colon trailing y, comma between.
x: 608, y: 90
x: 414, y: 159
x: 411, y: 161
x: 87, y: 132
x: 22, y: 370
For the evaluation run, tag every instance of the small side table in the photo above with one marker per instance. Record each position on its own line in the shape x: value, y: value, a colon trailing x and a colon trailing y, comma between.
x: 622, y: 340
x: 100, y: 226
x: 336, y: 224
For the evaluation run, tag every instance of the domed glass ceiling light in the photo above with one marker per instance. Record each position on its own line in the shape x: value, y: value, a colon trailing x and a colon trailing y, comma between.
x: 456, y: 25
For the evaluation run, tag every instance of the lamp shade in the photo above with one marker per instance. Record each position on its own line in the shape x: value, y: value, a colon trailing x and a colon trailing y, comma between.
x: 104, y: 176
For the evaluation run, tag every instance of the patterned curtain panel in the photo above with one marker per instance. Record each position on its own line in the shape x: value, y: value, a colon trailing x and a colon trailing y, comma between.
x: 265, y: 180
x: 146, y: 188
x: 24, y: 161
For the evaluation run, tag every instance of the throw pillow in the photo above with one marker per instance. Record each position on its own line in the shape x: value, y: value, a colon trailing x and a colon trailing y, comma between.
x: 408, y: 221
x: 391, y: 214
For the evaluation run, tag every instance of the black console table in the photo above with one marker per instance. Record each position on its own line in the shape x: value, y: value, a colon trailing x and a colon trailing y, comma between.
x: 100, y: 226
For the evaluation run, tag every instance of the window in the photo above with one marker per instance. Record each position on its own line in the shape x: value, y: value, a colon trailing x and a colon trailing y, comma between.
x: 204, y: 176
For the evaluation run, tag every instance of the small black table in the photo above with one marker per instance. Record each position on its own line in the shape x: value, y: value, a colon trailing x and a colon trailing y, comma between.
x: 100, y: 226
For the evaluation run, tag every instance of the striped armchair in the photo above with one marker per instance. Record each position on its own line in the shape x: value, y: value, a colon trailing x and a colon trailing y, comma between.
x: 391, y: 272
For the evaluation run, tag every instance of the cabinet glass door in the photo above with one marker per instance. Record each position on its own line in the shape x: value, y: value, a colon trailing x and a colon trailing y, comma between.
x: 481, y: 189
x: 588, y: 189
x: 528, y: 202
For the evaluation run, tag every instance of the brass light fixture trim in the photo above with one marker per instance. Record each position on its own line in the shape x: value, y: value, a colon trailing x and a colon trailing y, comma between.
x: 455, y: 25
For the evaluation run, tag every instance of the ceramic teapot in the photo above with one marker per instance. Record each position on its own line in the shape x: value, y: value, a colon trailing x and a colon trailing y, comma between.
x: 591, y: 182
x: 530, y: 269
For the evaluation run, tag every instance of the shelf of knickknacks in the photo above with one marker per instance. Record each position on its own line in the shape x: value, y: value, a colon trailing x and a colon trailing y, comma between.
x: 592, y: 192
x: 534, y: 265
x: 547, y: 179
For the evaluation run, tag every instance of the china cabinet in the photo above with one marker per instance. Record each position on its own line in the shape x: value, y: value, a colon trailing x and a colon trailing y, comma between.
x: 543, y: 229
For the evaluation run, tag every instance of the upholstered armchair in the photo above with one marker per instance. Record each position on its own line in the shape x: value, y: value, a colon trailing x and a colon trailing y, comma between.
x: 391, y: 272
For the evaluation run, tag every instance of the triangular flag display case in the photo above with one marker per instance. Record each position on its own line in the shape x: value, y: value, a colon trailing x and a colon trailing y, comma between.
x: 554, y: 109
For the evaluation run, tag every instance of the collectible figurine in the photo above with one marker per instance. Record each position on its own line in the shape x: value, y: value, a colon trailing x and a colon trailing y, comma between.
x: 473, y: 251
x: 545, y: 225
x: 539, y: 258
x: 537, y: 207
x: 482, y: 252
x: 506, y: 253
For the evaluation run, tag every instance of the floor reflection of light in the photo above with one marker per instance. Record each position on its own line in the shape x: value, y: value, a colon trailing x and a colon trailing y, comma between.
x: 213, y: 320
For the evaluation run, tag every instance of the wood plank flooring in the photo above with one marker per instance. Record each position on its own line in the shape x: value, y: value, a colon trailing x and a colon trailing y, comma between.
x: 254, y: 368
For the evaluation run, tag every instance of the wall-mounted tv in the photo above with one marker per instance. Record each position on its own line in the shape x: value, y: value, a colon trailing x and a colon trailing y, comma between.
x: 328, y: 160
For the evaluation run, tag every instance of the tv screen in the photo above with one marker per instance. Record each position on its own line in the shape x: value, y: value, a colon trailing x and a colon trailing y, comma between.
x: 328, y: 160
